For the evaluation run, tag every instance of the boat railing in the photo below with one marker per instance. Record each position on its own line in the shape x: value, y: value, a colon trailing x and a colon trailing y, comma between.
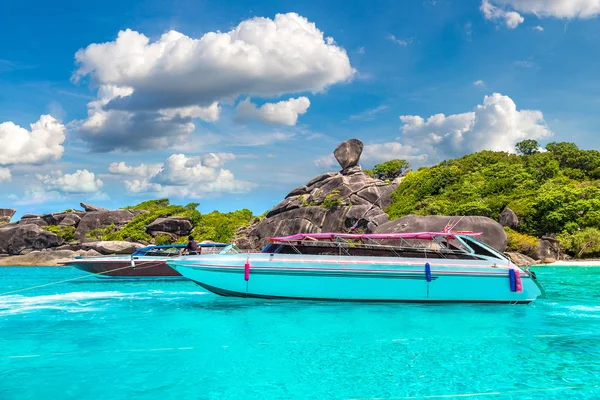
x: 395, y: 249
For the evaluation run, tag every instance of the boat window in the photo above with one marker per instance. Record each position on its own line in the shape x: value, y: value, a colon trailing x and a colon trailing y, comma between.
x: 271, y: 248
x: 480, y: 250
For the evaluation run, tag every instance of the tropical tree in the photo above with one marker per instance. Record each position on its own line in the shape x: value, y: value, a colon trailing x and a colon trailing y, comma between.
x: 390, y: 170
x: 527, y: 147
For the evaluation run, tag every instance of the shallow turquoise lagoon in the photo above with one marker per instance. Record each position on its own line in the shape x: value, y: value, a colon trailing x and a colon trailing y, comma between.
x: 91, y: 339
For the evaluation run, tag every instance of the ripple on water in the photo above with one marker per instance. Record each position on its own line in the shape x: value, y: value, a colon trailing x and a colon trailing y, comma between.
x: 150, y: 340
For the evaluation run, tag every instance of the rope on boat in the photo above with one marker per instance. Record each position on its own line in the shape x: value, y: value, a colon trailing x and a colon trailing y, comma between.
x: 70, y: 279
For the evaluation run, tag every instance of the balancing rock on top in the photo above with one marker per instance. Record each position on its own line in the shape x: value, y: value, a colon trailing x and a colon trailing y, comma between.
x: 348, y: 153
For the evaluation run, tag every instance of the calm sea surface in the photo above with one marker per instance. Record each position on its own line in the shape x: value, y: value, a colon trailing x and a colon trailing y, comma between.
x: 91, y: 339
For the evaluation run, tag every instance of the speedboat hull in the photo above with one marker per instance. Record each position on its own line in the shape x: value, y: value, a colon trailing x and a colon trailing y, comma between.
x: 121, y: 268
x: 357, y: 279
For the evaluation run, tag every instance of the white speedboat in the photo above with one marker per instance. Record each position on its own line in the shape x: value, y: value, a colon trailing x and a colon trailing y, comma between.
x: 411, y: 267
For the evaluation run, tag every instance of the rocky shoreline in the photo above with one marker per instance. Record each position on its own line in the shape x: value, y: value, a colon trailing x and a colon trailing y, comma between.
x: 350, y: 200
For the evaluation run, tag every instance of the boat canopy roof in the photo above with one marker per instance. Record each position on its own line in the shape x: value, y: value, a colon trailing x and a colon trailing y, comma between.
x: 372, y: 236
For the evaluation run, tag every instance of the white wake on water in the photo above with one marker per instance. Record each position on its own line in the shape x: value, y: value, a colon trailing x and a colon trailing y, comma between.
x: 79, y: 301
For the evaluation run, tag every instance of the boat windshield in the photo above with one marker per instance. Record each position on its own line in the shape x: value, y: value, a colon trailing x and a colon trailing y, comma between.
x: 416, y: 246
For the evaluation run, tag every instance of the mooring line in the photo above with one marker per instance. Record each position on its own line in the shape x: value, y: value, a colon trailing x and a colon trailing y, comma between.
x: 72, y: 279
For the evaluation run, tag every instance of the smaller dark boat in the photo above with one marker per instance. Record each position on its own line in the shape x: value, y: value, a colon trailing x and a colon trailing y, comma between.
x: 148, y: 262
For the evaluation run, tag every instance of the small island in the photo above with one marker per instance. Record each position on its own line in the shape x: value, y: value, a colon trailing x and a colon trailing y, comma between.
x: 539, y: 205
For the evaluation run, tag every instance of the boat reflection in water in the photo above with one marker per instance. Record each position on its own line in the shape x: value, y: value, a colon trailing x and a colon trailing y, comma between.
x: 147, y: 262
x: 412, y: 267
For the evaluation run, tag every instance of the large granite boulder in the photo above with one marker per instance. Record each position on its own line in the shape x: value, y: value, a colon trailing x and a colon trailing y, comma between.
x: 6, y: 214
x: 348, y: 153
x: 67, y: 218
x: 22, y: 238
x: 493, y: 232
x: 180, y: 226
x: 29, y: 219
x: 549, y: 250
x: 332, y: 202
x: 46, y: 257
x: 508, y: 218
x: 521, y: 260
x: 112, y: 247
x: 345, y: 201
x: 70, y: 219
x: 91, y: 208
x: 101, y: 219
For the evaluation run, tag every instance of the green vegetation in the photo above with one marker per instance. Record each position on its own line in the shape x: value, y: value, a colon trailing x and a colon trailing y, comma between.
x: 216, y: 226
x: 161, y: 239
x: 585, y: 242
x: 522, y: 243
x: 67, y: 233
x: 332, y: 200
x: 553, y: 192
x: 390, y: 170
x: 101, y: 233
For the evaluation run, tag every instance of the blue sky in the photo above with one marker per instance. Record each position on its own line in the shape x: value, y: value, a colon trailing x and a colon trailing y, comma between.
x: 240, y: 119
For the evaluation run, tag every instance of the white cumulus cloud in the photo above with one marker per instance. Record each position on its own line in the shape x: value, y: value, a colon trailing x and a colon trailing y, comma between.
x: 259, y: 57
x: 79, y: 182
x: 5, y: 175
x: 512, y: 19
x: 381, y: 152
x: 183, y: 176
x: 554, y: 8
x: 41, y: 144
x: 496, y: 125
x: 282, y: 113
x: 150, y: 91
x: 120, y: 168
x: 509, y: 10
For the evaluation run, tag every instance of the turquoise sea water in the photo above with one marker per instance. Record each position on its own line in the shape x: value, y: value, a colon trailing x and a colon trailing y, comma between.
x: 91, y: 339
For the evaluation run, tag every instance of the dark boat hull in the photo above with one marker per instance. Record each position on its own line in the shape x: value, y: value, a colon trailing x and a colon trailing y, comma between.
x: 123, y: 269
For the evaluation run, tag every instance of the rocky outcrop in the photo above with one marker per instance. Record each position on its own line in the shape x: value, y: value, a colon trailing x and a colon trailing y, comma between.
x: 348, y: 153
x: 6, y: 214
x: 29, y: 219
x: 70, y: 219
x: 101, y: 219
x: 180, y: 226
x: 549, y: 250
x: 344, y: 201
x: 493, y: 232
x: 91, y: 208
x: 45, y: 257
x: 520, y: 259
x: 22, y: 238
x: 112, y: 247
x: 508, y: 218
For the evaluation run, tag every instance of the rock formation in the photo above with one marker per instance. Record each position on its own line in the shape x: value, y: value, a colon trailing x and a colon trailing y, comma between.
x: 348, y: 153
x: 112, y: 247
x: 101, y: 219
x: 508, y: 218
x: 6, y: 214
x: 180, y: 226
x: 22, y: 238
x: 90, y: 207
x: 349, y: 200
x: 493, y: 233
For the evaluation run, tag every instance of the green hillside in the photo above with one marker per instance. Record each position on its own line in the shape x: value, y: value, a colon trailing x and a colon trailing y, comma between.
x: 215, y: 226
x: 554, y: 191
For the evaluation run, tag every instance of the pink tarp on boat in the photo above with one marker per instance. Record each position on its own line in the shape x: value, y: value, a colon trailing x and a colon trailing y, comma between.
x: 377, y: 236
